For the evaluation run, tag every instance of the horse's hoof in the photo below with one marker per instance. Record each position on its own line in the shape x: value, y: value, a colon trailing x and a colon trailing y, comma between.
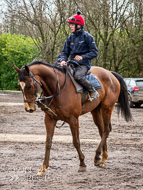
x: 41, y: 173
x: 81, y: 169
x: 102, y: 164
x: 97, y: 162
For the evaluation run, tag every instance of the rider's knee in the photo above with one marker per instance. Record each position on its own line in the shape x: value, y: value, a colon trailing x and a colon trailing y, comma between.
x: 77, y: 77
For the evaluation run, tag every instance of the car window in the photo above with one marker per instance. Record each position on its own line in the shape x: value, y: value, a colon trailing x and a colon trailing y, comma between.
x: 132, y: 83
x: 139, y: 82
x: 127, y: 81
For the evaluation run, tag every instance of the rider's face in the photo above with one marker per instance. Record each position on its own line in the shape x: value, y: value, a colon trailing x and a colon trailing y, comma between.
x: 72, y: 27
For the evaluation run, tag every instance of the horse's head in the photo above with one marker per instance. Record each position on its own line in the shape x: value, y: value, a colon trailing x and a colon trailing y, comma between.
x: 28, y: 86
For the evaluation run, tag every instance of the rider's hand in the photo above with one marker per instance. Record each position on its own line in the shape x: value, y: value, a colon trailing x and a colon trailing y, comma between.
x: 78, y: 57
x: 63, y: 63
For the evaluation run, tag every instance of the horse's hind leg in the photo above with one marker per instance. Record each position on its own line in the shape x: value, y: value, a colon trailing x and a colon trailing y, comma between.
x: 105, y: 154
x: 102, y: 119
x: 50, y: 131
x: 98, y: 120
x: 74, y: 126
x: 106, y: 115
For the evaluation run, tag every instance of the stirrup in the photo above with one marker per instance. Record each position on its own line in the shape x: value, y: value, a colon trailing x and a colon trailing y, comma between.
x: 90, y: 99
x: 96, y: 95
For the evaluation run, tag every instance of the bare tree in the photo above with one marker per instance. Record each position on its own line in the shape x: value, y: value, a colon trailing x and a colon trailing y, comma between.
x: 116, y: 26
x: 40, y: 19
x: 108, y: 21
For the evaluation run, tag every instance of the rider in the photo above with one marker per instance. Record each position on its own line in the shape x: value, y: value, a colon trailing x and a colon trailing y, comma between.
x: 81, y: 47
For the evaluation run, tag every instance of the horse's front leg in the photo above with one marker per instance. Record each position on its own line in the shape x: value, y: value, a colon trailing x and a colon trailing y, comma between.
x: 74, y: 126
x: 50, y: 132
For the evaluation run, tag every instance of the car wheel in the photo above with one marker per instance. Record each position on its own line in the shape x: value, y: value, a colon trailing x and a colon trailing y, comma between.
x: 137, y: 105
x: 130, y: 101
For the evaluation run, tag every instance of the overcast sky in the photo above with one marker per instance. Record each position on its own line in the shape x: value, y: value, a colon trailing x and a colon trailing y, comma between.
x: 2, y: 8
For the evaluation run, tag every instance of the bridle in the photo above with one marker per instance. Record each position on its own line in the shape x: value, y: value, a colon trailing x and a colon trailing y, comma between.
x: 35, y: 85
x: 58, y: 86
x: 39, y: 100
x: 36, y: 89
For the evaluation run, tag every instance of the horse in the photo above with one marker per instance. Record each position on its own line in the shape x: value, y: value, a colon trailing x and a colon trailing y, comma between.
x: 64, y: 103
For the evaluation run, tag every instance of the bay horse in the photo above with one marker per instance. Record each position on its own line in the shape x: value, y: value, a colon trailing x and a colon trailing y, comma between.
x: 64, y: 103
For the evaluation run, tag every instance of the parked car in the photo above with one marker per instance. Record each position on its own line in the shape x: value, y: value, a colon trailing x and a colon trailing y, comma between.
x: 135, y: 91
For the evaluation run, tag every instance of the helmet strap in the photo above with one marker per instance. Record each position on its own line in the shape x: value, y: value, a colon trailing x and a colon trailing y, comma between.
x: 78, y: 28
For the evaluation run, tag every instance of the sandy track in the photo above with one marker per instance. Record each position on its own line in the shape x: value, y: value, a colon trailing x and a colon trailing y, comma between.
x: 22, y: 141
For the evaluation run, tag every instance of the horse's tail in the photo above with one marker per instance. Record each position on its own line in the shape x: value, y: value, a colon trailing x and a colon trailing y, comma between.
x: 123, y: 102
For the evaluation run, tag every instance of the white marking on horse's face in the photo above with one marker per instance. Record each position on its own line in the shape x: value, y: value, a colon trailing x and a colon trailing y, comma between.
x: 22, y: 84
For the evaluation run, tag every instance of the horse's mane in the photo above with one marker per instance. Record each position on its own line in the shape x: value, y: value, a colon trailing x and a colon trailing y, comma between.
x: 62, y: 69
x: 22, y: 70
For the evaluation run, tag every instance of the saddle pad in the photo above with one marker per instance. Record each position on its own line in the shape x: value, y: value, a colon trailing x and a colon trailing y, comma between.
x: 93, y: 80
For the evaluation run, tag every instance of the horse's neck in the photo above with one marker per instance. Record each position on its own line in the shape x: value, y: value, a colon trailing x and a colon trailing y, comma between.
x: 47, y: 78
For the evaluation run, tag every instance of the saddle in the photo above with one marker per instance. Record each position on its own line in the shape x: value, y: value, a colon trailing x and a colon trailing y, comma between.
x: 79, y: 89
x: 89, y: 76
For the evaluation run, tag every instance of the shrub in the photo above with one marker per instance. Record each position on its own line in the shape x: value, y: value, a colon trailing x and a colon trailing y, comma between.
x: 18, y: 50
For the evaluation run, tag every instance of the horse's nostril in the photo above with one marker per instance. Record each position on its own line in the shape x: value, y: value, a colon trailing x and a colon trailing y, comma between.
x: 31, y: 110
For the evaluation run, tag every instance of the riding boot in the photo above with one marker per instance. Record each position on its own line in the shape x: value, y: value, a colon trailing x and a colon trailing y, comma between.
x: 87, y: 85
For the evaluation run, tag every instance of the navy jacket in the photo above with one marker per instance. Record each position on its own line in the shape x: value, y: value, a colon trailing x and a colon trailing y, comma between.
x: 80, y: 43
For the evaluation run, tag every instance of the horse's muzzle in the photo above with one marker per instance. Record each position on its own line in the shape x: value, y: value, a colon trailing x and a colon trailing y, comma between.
x: 30, y: 107
x: 30, y: 110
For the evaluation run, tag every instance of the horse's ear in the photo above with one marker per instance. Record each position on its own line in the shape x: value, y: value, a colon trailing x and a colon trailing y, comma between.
x: 16, y: 68
x: 27, y: 69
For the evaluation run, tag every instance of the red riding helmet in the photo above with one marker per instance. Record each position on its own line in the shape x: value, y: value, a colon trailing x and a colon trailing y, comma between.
x: 77, y: 19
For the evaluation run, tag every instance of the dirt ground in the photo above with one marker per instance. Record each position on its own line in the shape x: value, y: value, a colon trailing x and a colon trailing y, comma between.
x: 22, y: 147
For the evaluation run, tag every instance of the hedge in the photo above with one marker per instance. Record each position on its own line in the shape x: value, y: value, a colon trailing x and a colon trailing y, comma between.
x: 18, y: 50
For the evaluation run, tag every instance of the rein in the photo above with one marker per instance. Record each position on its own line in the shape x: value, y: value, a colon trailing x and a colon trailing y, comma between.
x: 36, y: 89
x: 58, y: 87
